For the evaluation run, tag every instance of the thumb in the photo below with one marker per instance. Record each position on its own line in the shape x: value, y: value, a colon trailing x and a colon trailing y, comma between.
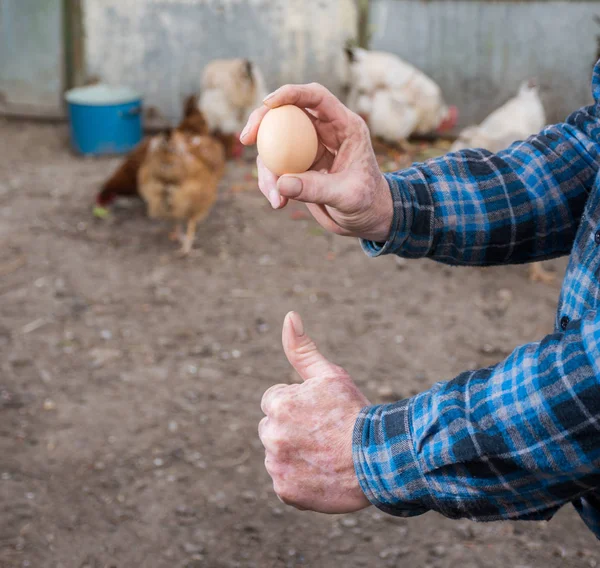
x: 301, y: 350
x: 314, y: 187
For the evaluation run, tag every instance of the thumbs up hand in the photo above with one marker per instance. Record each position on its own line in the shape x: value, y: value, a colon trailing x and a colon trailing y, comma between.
x: 307, y: 431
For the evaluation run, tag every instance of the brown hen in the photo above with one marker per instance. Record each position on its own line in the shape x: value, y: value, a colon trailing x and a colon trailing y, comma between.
x: 124, y: 181
x: 179, y: 179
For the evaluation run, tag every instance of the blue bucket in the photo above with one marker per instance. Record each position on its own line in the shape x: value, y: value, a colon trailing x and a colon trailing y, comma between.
x: 104, y: 120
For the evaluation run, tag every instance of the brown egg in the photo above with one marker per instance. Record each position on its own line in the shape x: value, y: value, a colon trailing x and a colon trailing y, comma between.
x: 287, y: 140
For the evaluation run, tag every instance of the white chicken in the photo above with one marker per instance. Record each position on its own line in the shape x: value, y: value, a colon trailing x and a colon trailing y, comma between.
x: 516, y: 120
x: 230, y: 90
x: 520, y: 117
x: 394, y: 97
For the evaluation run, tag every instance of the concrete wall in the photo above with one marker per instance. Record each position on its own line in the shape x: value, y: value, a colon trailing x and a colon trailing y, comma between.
x: 161, y: 46
x: 479, y: 52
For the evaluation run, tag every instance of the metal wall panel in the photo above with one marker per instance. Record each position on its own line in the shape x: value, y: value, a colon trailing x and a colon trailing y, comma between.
x: 479, y: 52
x: 161, y: 46
x: 31, y: 56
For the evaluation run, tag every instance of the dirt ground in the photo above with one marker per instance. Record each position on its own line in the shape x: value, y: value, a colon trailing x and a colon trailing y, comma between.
x: 131, y: 379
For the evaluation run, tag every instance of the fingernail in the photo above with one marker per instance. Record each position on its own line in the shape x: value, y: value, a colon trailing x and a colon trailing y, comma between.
x: 269, y: 96
x: 297, y: 324
x: 244, y: 132
x: 274, y: 198
x: 290, y: 186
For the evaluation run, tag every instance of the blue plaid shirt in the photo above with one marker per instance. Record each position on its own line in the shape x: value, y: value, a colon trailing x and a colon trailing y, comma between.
x: 522, y: 438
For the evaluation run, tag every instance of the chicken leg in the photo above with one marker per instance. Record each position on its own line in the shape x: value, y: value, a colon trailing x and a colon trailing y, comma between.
x: 188, y: 239
x: 537, y: 273
x: 190, y: 234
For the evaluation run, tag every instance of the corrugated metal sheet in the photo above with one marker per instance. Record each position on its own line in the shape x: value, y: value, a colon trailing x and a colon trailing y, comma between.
x: 479, y: 52
x: 161, y: 46
x: 31, y: 56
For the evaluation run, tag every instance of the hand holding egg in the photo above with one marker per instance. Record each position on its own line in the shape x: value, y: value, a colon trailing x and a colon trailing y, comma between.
x: 324, y: 159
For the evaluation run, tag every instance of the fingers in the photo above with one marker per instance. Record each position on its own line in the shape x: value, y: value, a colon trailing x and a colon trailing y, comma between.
x: 312, y: 96
x: 324, y: 160
x: 321, y: 102
x: 267, y: 183
x: 266, y: 404
x: 248, y: 136
x: 301, y: 350
x: 267, y: 180
x: 315, y: 187
x: 261, y: 427
x: 322, y: 216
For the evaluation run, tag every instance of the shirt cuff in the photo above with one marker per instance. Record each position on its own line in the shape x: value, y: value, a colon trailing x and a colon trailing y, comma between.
x: 385, y: 461
x: 400, y: 222
x: 412, y: 224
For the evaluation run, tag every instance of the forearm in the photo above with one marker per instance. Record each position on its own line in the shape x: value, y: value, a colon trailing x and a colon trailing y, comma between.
x: 515, y: 441
x: 478, y: 208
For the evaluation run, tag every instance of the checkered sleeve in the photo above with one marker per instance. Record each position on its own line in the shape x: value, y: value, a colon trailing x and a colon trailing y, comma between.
x: 513, y: 441
x: 477, y: 208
